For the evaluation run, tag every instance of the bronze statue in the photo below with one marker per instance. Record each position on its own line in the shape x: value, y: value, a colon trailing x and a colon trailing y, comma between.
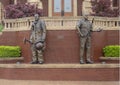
x: 37, y: 40
x: 84, y: 27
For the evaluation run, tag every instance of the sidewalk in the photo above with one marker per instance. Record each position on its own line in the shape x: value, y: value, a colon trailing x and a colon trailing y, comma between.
x: 38, y: 82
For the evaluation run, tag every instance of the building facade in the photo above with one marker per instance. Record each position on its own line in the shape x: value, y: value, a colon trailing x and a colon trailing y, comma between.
x: 58, y: 7
x: 52, y: 7
x: 62, y: 39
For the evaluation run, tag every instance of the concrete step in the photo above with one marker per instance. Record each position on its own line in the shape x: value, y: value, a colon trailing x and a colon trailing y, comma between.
x: 54, y: 72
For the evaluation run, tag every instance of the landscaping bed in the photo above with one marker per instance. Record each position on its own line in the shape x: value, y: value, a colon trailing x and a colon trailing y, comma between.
x: 10, y: 54
x: 111, y: 54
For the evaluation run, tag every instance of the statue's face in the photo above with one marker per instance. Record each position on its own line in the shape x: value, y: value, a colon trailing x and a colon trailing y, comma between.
x: 36, y: 17
x: 85, y: 16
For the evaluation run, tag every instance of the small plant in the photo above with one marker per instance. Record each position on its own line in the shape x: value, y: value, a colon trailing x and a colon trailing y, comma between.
x: 111, y: 51
x: 1, y: 27
x: 9, y: 51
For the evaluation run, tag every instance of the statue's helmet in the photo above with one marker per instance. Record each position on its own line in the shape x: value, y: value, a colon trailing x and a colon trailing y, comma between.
x: 39, y: 45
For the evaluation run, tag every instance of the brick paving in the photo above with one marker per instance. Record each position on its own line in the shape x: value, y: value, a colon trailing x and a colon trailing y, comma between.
x: 38, y: 82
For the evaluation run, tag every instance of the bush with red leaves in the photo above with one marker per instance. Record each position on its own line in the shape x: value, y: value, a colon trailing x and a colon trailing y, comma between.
x: 21, y: 10
x: 103, y: 8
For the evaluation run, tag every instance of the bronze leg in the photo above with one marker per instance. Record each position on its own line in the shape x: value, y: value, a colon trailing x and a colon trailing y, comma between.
x: 82, y: 49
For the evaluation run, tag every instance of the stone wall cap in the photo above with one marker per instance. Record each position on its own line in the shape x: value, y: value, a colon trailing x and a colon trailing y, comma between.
x: 109, y: 58
x: 7, y: 59
x: 60, y: 66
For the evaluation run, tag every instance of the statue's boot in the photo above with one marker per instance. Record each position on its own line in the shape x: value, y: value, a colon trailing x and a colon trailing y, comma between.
x: 82, y: 62
x: 40, y: 62
x: 89, y: 61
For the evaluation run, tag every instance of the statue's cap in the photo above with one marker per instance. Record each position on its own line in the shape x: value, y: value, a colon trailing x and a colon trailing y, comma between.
x: 36, y: 15
x: 85, y: 14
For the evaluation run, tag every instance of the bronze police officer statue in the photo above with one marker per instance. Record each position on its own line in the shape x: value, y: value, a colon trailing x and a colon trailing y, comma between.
x: 84, y: 27
x: 37, y: 40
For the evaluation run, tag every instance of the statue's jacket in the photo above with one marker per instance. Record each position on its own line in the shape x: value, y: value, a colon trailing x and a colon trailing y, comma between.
x: 85, y: 27
x: 38, y: 31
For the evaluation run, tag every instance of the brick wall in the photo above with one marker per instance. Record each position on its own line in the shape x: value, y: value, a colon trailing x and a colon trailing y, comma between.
x: 7, y: 2
x: 45, y: 7
x: 61, y: 74
x: 22, y: 1
x: 61, y: 46
x: 79, y: 6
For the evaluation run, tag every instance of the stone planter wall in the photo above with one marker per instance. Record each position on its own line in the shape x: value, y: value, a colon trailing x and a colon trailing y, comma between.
x: 11, y: 60
x: 109, y: 59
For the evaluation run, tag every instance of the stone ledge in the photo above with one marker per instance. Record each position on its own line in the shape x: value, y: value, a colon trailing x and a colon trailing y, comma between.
x: 9, y: 59
x: 52, y: 28
x: 109, y: 58
x: 60, y: 66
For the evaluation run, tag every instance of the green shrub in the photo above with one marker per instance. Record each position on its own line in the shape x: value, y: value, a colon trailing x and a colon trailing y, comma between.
x: 10, y: 51
x: 1, y: 27
x: 111, y: 51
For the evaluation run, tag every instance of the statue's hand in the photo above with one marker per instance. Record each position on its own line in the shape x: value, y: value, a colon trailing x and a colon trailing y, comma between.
x: 99, y: 29
x: 81, y: 35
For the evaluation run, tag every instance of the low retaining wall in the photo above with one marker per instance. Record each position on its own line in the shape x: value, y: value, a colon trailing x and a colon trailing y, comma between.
x: 71, y: 72
x: 62, y: 46
x: 110, y: 59
x: 11, y: 60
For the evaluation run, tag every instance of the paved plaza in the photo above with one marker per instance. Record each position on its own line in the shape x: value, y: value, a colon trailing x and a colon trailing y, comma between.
x: 38, y: 82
